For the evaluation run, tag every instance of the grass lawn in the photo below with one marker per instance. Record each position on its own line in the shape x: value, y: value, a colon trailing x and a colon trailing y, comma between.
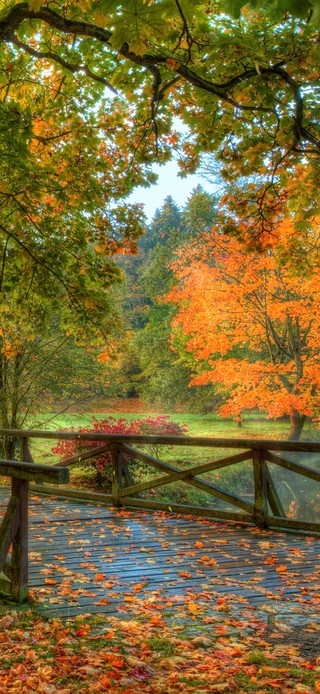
x: 255, y: 426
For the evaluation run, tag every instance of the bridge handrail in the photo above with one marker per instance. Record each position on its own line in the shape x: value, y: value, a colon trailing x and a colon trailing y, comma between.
x: 266, y: 509
x: 205, y: 441
x: 14, y: 526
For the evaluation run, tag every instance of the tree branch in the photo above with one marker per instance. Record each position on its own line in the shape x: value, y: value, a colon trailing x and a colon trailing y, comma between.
x: 71, y: 67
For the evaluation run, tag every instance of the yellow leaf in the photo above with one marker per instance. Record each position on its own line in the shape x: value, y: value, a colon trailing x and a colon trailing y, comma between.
x: 83, y: 5
x: 35, y: 5
x: 4, y: 187
x: 193, y: 608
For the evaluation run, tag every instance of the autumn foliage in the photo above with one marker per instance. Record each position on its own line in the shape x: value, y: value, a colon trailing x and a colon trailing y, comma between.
x: 251, y: 326
x: 160, y: 425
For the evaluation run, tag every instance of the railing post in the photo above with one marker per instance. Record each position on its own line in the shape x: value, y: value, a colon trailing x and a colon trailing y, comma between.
x: 116, y: 474
x: 19, y: 561
x: 260, y: 489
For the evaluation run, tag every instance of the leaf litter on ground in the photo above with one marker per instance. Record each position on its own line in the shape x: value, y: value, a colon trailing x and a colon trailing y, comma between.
x: 155, y: 647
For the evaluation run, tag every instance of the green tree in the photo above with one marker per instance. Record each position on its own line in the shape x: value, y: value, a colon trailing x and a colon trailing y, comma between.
x: 157, y: 374
x: 42, y: 377
x: 166, y: 224
x: 199, y: 213
x: 146, y: 351
x: 277, y: 9
x: 49, y: 348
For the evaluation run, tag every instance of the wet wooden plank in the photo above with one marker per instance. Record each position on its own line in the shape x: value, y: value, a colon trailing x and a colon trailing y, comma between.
x: 71, y: 544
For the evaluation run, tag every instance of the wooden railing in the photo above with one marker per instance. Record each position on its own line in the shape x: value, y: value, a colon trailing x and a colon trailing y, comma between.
x: 14, y: 527
x: 265, y: 508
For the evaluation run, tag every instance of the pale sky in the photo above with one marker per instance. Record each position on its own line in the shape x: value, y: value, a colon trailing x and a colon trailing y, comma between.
x: 168, y: 184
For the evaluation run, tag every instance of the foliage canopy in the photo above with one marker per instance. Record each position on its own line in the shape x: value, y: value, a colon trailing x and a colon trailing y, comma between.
x: 89, y: 91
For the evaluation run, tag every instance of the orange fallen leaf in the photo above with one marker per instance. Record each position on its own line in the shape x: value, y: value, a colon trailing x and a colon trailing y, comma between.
x: 99, y: 577
x: 45, y: 672
x: 104, y: 601
x: 104, y: 681
x: 138, y: 587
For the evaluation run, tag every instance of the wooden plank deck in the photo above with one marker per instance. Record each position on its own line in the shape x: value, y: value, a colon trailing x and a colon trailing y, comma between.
x: 93, y: 559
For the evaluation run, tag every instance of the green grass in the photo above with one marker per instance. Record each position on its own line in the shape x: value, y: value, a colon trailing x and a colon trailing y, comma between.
x: 255, y: 426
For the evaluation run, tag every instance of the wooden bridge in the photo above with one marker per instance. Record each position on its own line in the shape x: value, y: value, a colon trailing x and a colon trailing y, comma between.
x: 87, y: 557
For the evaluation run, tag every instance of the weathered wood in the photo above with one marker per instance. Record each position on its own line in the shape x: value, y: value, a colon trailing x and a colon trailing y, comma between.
x: 126, y: 473
x: 293, y: 467
x: 199, y: 484
x: 14, y: 528
x: 9, y: 528
x: 120, y: 471
x: 191, y: 510
x: 32, y: 472
x: 273, y: 497
x: 14, y: 531
x: 187, y: 476
x: 79, y: 457
x: 275, y: 522
x: 221, y: 494
x: 116, y: 475
x: 7, y: 569
x: 159, y: 551
x: 134, y: 454
x: 205, y: 467
x: 19, y: 560
x: 73, y: 494
x: 5, y: 585
x: 201, y: 441
x: 260, y: 489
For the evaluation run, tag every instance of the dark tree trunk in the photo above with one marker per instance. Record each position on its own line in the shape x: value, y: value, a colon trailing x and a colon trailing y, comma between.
x: 296, y: 425
x: 9, y: 446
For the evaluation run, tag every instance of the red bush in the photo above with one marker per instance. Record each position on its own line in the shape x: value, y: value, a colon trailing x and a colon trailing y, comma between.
x: 160, y: 426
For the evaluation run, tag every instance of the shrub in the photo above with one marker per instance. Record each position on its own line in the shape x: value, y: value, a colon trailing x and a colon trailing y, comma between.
x: 160, y: 425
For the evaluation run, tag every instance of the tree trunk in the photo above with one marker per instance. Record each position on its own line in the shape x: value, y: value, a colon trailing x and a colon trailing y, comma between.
x: 297, y: 421
x: 9, y: 445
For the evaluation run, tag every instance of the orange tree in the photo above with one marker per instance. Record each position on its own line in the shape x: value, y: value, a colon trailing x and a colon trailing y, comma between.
x: 250, y: 325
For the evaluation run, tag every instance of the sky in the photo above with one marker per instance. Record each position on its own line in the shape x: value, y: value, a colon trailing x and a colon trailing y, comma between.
x: 168, y: 184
